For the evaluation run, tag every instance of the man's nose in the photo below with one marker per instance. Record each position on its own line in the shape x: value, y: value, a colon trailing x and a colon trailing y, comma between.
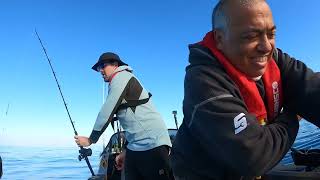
x: 265, y: 44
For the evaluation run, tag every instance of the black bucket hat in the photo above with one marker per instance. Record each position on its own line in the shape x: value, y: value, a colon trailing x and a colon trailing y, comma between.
x: 108, y: 57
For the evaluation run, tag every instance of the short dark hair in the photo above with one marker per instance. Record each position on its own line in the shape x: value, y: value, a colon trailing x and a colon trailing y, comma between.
x: 220, y: 18
x: 217, y: 12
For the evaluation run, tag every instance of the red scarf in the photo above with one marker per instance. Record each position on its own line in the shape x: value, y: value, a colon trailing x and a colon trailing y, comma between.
x: 249, y: 91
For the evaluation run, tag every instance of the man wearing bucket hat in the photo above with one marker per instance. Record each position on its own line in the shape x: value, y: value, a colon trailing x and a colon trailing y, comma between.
x: 145, y: 130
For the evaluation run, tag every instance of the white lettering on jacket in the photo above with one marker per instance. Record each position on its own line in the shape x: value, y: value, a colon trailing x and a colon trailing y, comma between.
x: 276, y: 98
x: 240, y: 123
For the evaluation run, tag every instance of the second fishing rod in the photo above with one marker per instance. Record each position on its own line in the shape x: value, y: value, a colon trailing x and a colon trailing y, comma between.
x: 84, y: 153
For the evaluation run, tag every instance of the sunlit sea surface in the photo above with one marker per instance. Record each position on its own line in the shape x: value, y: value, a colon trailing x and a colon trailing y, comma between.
x: 62, y: 163
x: 23, y: 163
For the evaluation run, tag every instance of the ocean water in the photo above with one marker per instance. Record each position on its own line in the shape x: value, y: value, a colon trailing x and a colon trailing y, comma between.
x: 35, y: 163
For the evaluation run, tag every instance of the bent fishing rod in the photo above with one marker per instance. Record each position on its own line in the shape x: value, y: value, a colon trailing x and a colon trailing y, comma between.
x: 84, y: 153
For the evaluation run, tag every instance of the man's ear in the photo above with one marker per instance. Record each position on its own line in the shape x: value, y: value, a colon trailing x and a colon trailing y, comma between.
x: 219, y: 38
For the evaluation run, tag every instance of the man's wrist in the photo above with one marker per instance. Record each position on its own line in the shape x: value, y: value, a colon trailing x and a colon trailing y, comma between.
x: 90, y: 141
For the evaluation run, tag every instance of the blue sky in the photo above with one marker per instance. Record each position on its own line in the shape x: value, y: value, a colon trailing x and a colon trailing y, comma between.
x: 151, y: 36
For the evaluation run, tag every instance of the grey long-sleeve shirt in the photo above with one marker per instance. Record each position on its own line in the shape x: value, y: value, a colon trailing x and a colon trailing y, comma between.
x: 143, y: 125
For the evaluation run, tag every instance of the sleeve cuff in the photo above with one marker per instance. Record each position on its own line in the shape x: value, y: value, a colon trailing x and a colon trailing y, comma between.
x: 94, y: 137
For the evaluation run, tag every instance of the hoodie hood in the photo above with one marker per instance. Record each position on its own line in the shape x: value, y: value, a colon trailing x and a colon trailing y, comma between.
x: 122, y: 68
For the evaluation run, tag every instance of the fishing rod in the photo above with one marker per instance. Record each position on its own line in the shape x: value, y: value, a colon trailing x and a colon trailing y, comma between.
x: 84, y: 153
x: 175, y: 118
x: 7, y: 109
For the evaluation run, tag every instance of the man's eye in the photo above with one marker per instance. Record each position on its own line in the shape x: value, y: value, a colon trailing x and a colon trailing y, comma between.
x: 272, y: 35
x: 250, y: 36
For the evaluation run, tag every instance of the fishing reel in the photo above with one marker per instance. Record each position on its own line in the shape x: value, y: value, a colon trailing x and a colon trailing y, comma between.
x: 84, y: 153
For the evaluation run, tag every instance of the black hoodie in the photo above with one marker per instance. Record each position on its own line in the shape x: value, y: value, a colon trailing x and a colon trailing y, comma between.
x: 207, y: 145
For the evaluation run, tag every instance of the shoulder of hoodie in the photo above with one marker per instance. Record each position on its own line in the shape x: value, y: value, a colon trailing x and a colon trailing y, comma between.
x: 206, y: 76
x: 283, y: 59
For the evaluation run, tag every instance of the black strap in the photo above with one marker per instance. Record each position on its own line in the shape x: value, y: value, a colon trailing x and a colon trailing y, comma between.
x: 112, y: 122
x: 134, y: 103
x: 130, y: 103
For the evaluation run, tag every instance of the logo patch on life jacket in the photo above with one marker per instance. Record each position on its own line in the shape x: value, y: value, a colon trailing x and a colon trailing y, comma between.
x: 276, y: 97
x: 240, y: 123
